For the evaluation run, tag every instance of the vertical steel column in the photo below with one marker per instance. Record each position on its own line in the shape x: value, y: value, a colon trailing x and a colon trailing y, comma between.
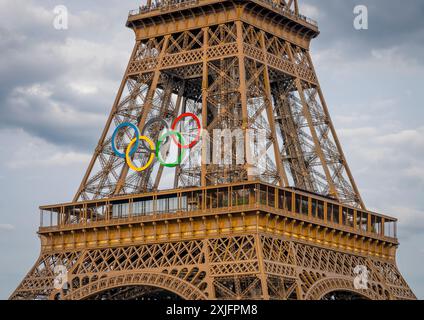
x: 336, y: 139
x: 284, y: 182
x: 243, y: 96
x: 178, y: 168
x: 99, y: 148
x: 262, y: 273
x: 205, y: 86
x: 146, y: 108
x: 308, y: 116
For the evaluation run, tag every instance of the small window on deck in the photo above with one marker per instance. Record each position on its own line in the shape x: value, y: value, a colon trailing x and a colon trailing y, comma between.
x: 302, y: 204
x: 240, y: 196
x: 333, y: 213
x: 390, y: 229
x: 318, y: 209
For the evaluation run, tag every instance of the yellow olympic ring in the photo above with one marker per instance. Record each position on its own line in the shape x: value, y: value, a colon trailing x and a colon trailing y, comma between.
x: 128, y: 156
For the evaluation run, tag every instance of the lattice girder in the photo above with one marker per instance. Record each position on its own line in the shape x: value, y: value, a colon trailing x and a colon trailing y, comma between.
x: 254, y: 80
x: 216, y: 268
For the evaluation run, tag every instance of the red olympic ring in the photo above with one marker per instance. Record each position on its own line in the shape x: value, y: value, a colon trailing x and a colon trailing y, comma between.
x: 199, y: 130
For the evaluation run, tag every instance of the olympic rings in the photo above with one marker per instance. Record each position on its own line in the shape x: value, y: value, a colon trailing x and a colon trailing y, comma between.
x: 180, y: 155
x: 148, y: 124
x: 149, y: 146
x: 199, y: 130
x: 128, y: 154
x: 123, y: 125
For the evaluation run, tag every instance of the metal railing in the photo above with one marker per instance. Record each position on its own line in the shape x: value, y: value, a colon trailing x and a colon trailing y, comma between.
x: 163, y: 6
x: 228, y: 198
x: 178, y: 4
x: 288, y: 12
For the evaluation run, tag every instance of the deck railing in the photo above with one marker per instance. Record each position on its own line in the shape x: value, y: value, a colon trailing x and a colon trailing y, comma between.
x: 231, y: 198
x: 179, y: 4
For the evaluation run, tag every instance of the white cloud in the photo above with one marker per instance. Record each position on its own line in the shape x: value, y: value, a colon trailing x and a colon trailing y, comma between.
x: 34, y: 15
x: 90, y: 55
x: 403, y: 149
x: 409, y: 218
x: 309, y: 10
x: 36, y: 90
x: 26, y: 151
x: 40, y: 112
x: 51, y: 113
x: 340, y: 61
x: 416, y: 172
x: 358, y: 133
x: 83, y: 88
x: 6, y: 227
x: 59, y: 159
x: 70, y: 77
x: 408, y: 138
x: 395, y: 57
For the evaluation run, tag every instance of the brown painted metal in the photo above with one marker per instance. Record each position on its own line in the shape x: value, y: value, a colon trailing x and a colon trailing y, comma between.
x: 297, y: 231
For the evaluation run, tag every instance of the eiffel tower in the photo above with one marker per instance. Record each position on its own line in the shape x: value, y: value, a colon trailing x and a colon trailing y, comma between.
x: 139, y: 228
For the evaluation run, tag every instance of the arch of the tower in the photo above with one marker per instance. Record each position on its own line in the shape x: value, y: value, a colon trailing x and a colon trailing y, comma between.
x: 142, y: 285
x: 342, y: 289
x: 136, y: 292
x: 343, y: 295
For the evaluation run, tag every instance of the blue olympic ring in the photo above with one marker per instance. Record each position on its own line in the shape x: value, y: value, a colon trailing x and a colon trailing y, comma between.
x: 137, y: 143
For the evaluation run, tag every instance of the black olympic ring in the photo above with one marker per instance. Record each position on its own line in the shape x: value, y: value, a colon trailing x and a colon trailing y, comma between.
x: 144, y: 144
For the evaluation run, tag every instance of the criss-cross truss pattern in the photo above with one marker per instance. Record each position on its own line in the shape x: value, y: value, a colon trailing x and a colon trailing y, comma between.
x: 215, y: 227
x: 240, y: 267
x: 232, y: 75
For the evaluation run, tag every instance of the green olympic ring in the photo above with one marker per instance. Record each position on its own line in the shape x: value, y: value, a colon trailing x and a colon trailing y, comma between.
x: 180, y: 154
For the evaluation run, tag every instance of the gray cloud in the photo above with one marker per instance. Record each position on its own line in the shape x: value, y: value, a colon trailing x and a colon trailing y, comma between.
x: 6, y: 227
x: 60, y: 85
x: 391, y: 24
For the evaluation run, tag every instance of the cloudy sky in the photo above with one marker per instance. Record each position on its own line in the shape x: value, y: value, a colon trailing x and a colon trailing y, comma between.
x: 57, y: 88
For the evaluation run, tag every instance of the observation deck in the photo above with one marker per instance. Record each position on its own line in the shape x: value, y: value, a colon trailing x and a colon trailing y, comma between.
x: 227, y: 209
x: 176, y: 10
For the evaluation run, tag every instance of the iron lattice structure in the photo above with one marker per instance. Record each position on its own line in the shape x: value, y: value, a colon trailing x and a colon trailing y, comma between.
x: 297, y: 230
